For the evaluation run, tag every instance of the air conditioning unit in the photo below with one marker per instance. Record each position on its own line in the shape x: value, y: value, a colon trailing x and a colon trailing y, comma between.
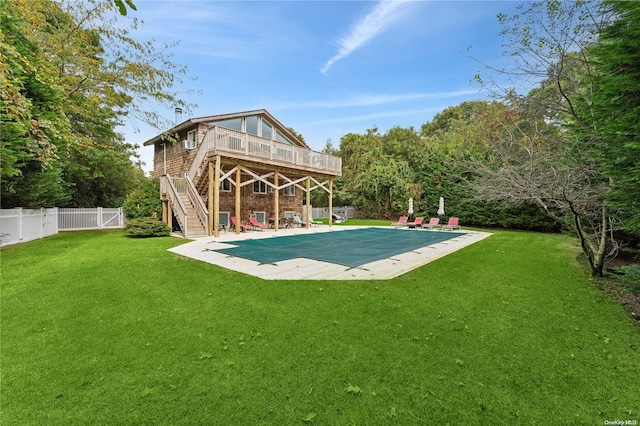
x: 188, y: 144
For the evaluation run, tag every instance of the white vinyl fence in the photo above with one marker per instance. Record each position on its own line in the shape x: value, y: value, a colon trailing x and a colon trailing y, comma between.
x: 95, y: 218
x: 21, y: 225
x: 346, y: 211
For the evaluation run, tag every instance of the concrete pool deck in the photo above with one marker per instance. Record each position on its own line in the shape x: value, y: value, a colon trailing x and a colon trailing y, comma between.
x: 204, y: 249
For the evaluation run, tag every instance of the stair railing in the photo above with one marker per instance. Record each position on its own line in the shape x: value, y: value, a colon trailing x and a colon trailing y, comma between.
x: 179, y: 210
x: 197, y: 202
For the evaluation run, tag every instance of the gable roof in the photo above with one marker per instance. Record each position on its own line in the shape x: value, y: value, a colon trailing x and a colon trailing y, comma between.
x: 258, y: 112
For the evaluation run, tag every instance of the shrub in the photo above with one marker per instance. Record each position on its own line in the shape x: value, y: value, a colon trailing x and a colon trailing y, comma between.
x: 145, y: 227
x: 144, y: 201
x: 630, y: 277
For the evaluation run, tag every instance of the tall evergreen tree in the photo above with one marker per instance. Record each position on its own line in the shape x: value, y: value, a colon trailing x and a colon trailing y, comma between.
x: 617, y: 109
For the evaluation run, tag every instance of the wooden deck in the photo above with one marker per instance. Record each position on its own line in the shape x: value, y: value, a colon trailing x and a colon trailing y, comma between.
x: 243, y: 146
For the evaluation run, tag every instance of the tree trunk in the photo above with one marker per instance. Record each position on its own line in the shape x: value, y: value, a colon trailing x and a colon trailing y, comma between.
x: 595, y: 253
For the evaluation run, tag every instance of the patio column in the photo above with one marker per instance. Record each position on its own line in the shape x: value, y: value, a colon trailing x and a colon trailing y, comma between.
x: 238, y: 177
x: 169, y: 216
x: 164, y: 211
x: 330, y: 201
x: 216, y: 199
x: 308, y: 201
x: 210, y: 201
x: 276, y: 201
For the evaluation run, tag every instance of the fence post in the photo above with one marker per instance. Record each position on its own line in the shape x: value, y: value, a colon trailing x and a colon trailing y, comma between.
x: 19, y: 224
x: 99, y: 213
x: 120, y: 217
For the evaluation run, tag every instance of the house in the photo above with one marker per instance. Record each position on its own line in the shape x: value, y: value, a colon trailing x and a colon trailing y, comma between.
x: 238, y: 164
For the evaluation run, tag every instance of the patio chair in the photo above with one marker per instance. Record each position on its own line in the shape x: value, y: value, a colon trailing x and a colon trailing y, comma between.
x: 298, y: 221
x: 243, y: 227
x: 417, y: 222
x: 283, y: 222
x: 401, y: 222
x: 257, y: 225
x: 314, y: 222
x: 338, y: 219
x: 452, y: 224
x: 432, y: 223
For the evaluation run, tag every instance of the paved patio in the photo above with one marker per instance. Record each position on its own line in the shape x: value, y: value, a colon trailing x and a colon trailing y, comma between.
x: 204, y: 249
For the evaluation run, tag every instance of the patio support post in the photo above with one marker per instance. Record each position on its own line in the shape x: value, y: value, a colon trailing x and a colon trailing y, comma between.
x: 330, y: 201
x: 276, y: 201
x: 238, y: 177
x: 169, y: 216
x: 164, y: 211
x: 210, y: 201
x: 308, y: 201
x: 216, y: 199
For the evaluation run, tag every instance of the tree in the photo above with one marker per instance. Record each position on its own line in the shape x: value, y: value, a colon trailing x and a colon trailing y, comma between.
x: 72, y: 74
x: 34, y: 129
x: 372, y: 179
x: 616, y: 109
x: 538, y: 158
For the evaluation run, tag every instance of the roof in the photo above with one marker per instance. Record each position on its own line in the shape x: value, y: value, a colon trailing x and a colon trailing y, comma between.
x: 259, y: 112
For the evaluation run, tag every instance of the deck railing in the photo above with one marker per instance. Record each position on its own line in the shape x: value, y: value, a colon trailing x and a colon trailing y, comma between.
x: 228, y: 140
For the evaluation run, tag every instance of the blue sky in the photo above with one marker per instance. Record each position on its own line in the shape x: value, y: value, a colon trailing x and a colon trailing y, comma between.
x: 325, y: 68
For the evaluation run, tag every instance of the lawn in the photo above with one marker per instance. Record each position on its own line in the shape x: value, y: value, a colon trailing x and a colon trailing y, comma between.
x: 101, y: 329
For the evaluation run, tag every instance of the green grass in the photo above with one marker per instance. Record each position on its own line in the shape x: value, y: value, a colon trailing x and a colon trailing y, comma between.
x: 101, y: 329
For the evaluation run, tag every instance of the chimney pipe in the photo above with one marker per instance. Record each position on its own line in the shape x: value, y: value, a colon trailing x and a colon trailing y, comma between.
x: 178, y: 115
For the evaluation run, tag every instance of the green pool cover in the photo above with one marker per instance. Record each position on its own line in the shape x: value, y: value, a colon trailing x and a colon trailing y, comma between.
x: 351, y: 248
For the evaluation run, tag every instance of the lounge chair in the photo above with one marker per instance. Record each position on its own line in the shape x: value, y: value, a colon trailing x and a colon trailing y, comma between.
x: 401, y: 222
x: 417, y: 223
x: 432, y: 223
x: 243, y: 227
x: 257, y: 225
x: 298, y: 221
x: 452, y: 224
x: 314, y: 222
x: 338, y: 219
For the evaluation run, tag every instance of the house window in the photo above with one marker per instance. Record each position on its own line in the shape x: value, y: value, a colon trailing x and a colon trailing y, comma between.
x: 267, y: 130
x: 259, y: 187
x: 289, y: 214
x: 190, y: 143
x: 233, y: 124
x: 225, y: 185
x: 260, y: 216
x: 282, y: 138
x: 252, y: 125
x: 223, y: 217
x: 290, y: 190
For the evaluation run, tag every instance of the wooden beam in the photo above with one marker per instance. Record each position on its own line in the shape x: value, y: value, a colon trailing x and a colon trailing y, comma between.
x: 308, y: 202
x: 238, y: 177
x: 330, y: 201
x: 164, y: 211
x: 169, y: 216
x: 210, y: 200
x: 276, y: 200
x: 216, y: 199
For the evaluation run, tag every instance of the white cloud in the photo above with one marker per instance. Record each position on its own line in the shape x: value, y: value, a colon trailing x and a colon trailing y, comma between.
x: 375, y: 22
x: 372, y: 100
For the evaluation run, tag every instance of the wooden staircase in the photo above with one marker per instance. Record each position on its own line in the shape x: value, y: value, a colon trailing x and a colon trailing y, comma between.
x: 195, y: 228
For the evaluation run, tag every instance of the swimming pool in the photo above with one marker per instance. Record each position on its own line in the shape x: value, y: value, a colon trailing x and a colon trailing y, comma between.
x: 351, y: 248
